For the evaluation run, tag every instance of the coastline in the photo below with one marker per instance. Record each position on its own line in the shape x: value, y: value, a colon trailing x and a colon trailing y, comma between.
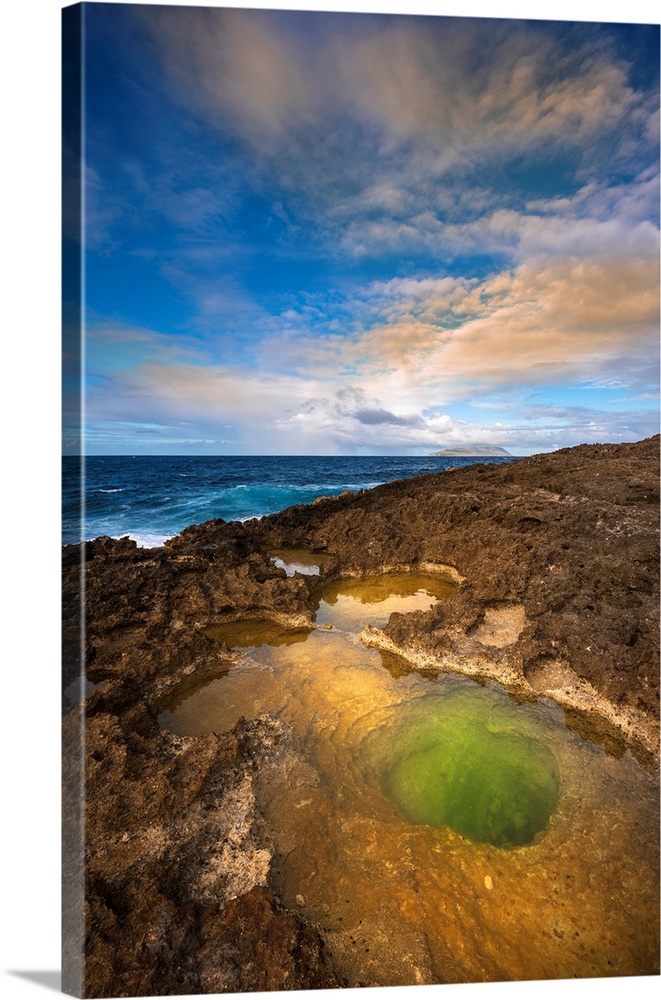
x: 152, y: 498
x: 557, y: 559
x: 565, y: 544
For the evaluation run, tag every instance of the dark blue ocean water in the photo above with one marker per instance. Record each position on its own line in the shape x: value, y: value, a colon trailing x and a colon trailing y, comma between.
x: 151, y: 498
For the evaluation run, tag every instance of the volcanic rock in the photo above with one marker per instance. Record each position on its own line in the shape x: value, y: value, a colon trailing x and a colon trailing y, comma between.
x: 557, y: 560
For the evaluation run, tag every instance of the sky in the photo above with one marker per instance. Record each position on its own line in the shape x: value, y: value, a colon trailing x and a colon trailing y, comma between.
x: 30, y: 170
x: 326, y: 233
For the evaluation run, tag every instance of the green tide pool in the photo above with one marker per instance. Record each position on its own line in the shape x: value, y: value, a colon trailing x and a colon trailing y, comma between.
x: 474, y: 762
x: 436, y: 829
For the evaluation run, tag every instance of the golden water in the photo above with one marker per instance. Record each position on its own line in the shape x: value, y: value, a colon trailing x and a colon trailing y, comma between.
x: 401, y: 901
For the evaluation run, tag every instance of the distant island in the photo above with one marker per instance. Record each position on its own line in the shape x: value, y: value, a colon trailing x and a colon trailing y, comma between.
x: 463, y: 450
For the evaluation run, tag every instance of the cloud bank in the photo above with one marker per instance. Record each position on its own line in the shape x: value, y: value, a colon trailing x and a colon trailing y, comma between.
x: 345, y: 233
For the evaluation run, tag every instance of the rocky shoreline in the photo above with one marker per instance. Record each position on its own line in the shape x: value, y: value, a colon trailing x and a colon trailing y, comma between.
x: 557, y: 559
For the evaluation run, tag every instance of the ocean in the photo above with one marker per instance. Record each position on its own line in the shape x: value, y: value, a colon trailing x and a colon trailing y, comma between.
x: 152, y: 498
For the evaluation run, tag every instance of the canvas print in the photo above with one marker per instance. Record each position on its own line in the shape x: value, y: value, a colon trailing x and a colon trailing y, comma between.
x: 360, y: 500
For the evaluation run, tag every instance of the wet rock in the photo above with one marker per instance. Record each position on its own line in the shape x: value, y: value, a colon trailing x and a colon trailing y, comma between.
x: 177, y: 861
x: 560, y: 596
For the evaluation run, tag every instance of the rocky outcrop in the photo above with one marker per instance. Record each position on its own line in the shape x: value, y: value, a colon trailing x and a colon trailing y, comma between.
x: 176, y: 861
x: 558, y: 558
x: 570, y: 539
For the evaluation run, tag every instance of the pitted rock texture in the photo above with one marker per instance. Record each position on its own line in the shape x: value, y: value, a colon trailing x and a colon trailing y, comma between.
x: 571, y: 538
x: 176, y: 862
x: 560, y: 596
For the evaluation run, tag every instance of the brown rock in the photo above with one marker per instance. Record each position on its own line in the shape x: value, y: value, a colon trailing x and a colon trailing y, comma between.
x: 559, y: 555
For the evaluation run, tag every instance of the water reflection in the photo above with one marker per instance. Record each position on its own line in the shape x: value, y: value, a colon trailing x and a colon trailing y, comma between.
x: 301, y: 561
x: 252, y: 633
x: 351, y: 605
x: 437, y: 831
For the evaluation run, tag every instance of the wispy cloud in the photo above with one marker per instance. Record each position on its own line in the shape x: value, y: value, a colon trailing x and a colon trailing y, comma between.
x: 351, y: 230
x: 431, y: 344
x: 380, y: 109
x: 551, y: 318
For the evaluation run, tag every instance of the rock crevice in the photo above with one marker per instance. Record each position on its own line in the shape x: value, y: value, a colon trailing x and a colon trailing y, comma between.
x: 557, y: 561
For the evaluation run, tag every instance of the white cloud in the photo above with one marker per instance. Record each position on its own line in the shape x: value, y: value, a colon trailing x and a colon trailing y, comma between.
x: 558, y: 318
x: 383, y: 138
x: 417, y: 346
x: 334, y: 424
x: 598, y: 221
x: 376, y: 126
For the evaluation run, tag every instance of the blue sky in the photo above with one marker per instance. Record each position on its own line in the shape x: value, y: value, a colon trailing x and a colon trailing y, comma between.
x: 322, y: 233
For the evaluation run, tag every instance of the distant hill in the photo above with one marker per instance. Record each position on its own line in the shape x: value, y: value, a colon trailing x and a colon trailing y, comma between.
x: 471, y: 450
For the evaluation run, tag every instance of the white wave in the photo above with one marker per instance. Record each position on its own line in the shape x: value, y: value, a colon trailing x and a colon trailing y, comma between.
x: 119, y: 490
x: 195, y: 502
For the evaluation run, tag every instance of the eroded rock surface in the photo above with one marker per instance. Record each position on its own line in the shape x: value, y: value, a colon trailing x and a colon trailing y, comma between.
x: 558, y: 555
x: 176, y: 899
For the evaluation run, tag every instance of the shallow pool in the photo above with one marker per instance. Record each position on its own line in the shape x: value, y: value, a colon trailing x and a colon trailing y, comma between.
x: 437, y: 830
